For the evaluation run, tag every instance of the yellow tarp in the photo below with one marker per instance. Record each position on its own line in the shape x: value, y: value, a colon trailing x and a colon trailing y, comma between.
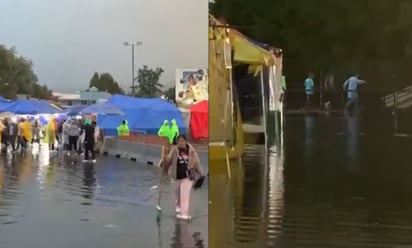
x: 245, y: 51
x: 220, y: 105
x: 55, y: 106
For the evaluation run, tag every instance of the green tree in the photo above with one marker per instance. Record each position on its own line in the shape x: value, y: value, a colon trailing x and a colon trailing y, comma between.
x: 148, y: 81
x: 105, y: 82
x: 17, y: 76
x: 170, y: 94
x: 373, y: 38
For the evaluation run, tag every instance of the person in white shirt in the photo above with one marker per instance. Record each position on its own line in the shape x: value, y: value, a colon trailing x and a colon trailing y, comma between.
x: 97, y: 137
x: 351, y: 87
x: 73, y: 132
x: 65, y: 135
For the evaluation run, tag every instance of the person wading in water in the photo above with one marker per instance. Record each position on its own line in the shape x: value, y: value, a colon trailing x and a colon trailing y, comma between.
x: 89, y: 141
x: 309, y: 89
x: 184, y: 167
x: 351, y: 87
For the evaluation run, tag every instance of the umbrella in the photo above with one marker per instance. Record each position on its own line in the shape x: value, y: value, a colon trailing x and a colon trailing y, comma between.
x: 74, y: 110
x: 29, y: 107
x: 102, y: 108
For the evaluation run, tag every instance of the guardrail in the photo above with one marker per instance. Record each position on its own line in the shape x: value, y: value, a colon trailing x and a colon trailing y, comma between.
x: 152, y: 139
x: 389, y: 105
x: 374, y: 98
x: 144, y: 138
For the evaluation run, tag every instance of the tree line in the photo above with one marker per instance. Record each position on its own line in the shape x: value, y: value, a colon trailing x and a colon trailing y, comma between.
x: 18, y: 77
x: 369, y: 37
x: 147, y: 84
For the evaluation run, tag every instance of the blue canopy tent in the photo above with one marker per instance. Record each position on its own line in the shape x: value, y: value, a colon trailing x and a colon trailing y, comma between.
x: 4, y: 104
x: 29, y: 107
x: 102, y: 108
x: 143, y: 114
x: 111, y: 122
x: 74, y: 110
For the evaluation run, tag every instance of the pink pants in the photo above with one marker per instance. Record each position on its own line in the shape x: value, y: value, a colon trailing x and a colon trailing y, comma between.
x: 183, y: 189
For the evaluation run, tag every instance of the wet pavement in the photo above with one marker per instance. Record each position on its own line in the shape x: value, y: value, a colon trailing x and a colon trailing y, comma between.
x: 340, y: 181
x: 108, y: 204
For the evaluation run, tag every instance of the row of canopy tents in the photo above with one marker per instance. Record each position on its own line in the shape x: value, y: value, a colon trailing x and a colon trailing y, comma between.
x: 144, y: 115
x: 28, y: 107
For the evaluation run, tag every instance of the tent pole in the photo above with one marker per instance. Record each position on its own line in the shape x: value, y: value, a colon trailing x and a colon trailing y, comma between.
x: 264, y: 108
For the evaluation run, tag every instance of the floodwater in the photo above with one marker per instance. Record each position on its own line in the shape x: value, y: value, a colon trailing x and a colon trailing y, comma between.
x: 339, y: 181
x: 47, y: 203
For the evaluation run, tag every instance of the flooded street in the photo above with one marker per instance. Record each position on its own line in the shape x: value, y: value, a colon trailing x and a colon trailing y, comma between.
x: 340, y: 181
x: 108, y: 204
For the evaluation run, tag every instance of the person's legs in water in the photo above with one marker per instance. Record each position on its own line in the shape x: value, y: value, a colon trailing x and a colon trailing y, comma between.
x: 51, y: 143
x: 79, y: 145
x: 72, y: 144
x: 87, y: 149
x: 177, y: 193
x: 308, y: 98
x: 349, y: 104
x: 13, y: 144
x: 185, y: 190
x: 92, y: 151
x: 24, y: 143
x: 19, y: 143
x: 6, y: 141
x: 57, y: 139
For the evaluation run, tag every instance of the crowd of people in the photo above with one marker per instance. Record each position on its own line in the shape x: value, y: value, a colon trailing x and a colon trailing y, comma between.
x: 72, y: 135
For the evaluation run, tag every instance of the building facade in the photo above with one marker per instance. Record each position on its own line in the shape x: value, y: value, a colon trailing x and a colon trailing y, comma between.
x: 93, y: 95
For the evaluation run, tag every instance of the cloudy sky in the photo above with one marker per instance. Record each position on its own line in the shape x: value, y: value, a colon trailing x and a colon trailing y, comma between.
x: 68, y: 40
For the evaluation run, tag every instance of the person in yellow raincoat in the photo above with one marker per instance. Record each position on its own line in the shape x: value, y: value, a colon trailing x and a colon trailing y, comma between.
x: 123, y: 129
x: 164, y: 131
x: 174, y: 132
x: 50, y: 133
x: 25, y: 134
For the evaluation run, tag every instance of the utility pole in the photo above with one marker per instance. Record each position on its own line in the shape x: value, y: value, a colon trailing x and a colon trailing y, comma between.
x: 133, y: 44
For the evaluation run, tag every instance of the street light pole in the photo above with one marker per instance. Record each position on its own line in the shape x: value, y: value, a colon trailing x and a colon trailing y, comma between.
x: 133, y: 71
x: 133, y: 44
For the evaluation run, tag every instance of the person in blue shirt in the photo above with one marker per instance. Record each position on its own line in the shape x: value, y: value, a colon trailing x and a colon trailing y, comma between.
x: 309, y: 89
x: 351, y: 87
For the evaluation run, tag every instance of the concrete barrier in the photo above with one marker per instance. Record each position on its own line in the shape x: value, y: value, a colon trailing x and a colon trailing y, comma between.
x: 140, y: 152
x: 111, y: 146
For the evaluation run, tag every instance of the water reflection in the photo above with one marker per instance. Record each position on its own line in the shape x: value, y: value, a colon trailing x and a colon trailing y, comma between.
x: 185, y: 237
x: 1, y: 177
x: 275, y: 198
x: 89, y: 181
x: 249, y: 208
x: 309, y: 125
x: 314, y: 199
x: 352, y: 133
x: 106, y: 204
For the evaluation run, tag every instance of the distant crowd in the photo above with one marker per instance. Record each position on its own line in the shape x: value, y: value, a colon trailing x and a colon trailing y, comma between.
x: 73, y: 136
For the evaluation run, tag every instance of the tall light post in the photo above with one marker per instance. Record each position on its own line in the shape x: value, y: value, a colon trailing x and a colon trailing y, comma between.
x: 133, y: 44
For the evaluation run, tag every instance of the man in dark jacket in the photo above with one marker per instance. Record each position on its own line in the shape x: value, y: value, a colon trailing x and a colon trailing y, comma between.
x: 88, y: 130
x: 5, y: 137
